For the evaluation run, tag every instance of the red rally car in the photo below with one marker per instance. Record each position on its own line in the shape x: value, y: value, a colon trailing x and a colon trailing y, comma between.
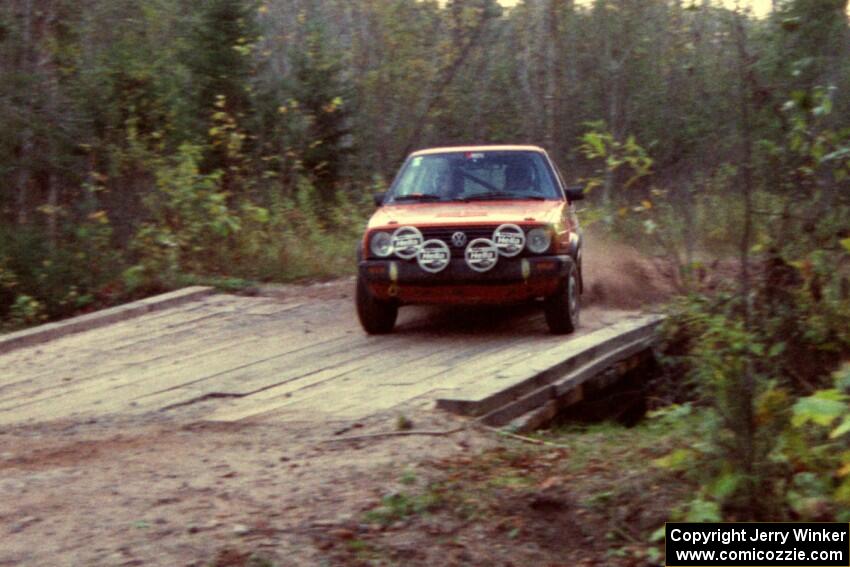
x: 472, y: 225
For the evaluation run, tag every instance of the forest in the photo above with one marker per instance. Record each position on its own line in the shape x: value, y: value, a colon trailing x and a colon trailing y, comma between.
x: 148, y: 144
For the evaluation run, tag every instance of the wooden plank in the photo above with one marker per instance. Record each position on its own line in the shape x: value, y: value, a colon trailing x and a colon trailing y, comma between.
x: 256, y: 377
x: 186, y: 345
x: 50, y: 331
x: 383, y: 368
x: 566, y: 385
x: 140, y: 339
x: 282, y: 375
x: 400, y: 379
x: 151, y: 379
x: 279, y: 397
x: 522, y: 378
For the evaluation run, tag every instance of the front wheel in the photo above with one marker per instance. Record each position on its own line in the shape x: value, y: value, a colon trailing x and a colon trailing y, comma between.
x: 562, y: 309
x: 376, y: 317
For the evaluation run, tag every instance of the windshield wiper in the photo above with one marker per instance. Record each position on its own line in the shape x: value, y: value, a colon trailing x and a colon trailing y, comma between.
x: 501, y: 196
x: 417, y: 197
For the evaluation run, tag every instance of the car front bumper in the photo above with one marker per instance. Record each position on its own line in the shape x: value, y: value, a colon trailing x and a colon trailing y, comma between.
x: 511, y: 280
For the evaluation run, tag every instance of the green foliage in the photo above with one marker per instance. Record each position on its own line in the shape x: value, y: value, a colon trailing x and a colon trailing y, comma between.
x: 26, y: 311
x: 196, y: 227
x: 817, y: 447
x: 626, y: 159
x: 189, y: 218
x: 821, y: 408
x: 220, y: 63
x: 760, y: 371
x: 297, y: 237
x: 40, y: 282
x: 761, y: 361
x: 325, y: 102
x: 703, y: 511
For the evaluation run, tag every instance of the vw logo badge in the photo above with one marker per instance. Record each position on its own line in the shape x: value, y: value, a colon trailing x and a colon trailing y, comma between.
x: 482, y: 254
x: 459, y: 239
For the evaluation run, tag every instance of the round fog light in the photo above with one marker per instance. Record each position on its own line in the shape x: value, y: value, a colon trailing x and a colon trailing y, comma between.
x: 433, y: 256
x: 406, y: 242
x: 481, y: 254
x: 509, y: 239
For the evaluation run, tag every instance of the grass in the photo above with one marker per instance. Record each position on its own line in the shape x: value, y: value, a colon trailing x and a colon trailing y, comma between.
x: 221, y: 283
x: 400, y: 506
x: 408, y: 478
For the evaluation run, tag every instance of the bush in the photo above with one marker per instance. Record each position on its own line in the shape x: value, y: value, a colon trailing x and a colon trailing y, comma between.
x: 761, y: 374
x: 194, y: 232
x: 196, y: 228
x: 189, y: 222
x: 40, y: 280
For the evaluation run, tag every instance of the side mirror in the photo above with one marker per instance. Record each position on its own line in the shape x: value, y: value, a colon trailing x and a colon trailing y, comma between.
x: 378, y: 198
x: 575, y: 193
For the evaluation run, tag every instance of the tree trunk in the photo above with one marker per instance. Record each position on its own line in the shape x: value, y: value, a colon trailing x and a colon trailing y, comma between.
x: 555, y: 77
x: 748, y: 386
x: 27, y: 143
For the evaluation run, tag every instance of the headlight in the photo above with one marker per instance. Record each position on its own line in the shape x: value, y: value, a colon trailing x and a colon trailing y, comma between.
x: 538, y: 240
x: 381, y: 244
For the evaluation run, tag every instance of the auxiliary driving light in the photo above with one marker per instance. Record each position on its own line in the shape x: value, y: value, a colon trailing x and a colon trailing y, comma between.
x: 406, y: 242
x: 509, y: 239
x: 433, y: 256
x: 482, y: 254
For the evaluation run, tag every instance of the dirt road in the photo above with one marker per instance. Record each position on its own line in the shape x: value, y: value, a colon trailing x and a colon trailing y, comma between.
x: 199, y: 435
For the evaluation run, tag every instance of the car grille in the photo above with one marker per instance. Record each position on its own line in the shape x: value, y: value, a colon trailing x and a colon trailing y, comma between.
x: 445, y: 234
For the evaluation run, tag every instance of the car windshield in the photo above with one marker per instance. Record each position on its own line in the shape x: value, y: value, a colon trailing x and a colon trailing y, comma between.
x: 469, y: 176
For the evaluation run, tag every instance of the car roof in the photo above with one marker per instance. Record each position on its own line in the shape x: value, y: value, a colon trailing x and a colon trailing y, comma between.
x: 494, y: 148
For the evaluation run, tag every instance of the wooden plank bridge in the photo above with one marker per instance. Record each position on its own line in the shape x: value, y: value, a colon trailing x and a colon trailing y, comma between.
x: 218, y: 357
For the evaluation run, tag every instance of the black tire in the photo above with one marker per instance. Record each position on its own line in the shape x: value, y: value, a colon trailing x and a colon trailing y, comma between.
x: 376, y: 317
x: 564, y: 307
x: 580, y: 274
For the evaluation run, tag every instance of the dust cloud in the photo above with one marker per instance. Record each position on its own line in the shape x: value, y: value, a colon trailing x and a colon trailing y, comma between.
x: 618, y: 275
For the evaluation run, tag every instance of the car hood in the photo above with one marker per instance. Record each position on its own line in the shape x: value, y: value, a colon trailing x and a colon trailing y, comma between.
x: 460, y: 213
